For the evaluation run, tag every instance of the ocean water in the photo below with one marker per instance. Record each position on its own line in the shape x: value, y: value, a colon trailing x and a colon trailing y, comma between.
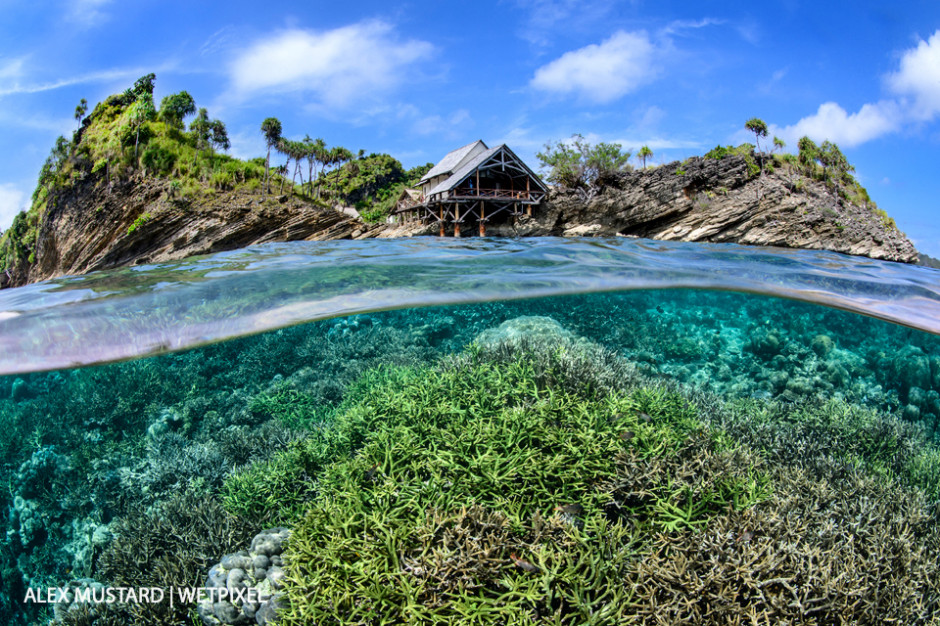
x: 472, y: 432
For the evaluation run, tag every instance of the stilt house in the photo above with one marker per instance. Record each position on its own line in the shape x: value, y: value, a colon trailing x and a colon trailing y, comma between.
x: 471, y: 187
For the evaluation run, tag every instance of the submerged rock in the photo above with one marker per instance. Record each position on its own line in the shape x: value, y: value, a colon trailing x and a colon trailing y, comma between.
x: 527, y: 326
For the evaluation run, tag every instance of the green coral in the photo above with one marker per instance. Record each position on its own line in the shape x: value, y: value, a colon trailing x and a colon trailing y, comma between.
x: 476, y: 492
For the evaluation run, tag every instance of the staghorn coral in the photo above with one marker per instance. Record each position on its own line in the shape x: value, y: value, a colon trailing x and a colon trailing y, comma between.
x: 480, y: 493
x: 517, y: 484
x: 170, y: 546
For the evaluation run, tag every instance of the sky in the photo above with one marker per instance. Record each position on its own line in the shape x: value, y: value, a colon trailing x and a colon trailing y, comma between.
x: 418, y: 79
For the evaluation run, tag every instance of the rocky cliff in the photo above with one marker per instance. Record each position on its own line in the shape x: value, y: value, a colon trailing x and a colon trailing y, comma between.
x: 716, y: 200
x: 94, y: 226
x: 140, y: 220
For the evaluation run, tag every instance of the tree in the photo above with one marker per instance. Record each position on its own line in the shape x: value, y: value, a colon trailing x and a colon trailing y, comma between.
x: 576, y: 163
x: 759, y: 128
x: 321, y: 156
x: 645, y: 153
x: 271, y: 129
x: 208, y: 133
x: 57, y: 158
x: 336, y: 157
x: 296, y: 150
x: 836, y: 167
x: 220, y: 135
x: 139, y: 112
x: 808, y: 156
x: 779, y: 144
x: 80, y: 111
x: 201, y: 129
x: 175, y: 107
x: 143, y: 86
x: 284, y: 147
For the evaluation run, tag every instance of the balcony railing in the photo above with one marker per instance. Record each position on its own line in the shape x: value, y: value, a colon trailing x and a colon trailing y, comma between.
x: 490, y: 193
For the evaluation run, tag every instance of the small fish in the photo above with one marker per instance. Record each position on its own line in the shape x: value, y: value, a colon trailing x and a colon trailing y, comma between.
x: 660, y: 310
x: 746, y: 536
x: 371, y: 472
x: 645, y: 417
x: 627, y: 435
x: 570, y: 509
x: 522, y: 563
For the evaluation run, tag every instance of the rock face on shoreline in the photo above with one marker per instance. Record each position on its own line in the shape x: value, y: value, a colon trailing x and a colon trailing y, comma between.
x: 716, y: 200
x: 705, y: 200
x: 140, y: 221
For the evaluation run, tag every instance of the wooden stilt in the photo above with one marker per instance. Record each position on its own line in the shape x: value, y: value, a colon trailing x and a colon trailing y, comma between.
x: 482, y: 222
x: 457, y: 220
x: 442, y: 220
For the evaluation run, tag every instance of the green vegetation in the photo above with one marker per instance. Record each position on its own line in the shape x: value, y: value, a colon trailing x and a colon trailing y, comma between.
x: 125, y: 135
x: 643, y: 154
x: 759, y: 128
x: 271, y: 129
x: 824, y: 163
x: 140, y: 221
x: 577, y: 163
x: 372, y: 183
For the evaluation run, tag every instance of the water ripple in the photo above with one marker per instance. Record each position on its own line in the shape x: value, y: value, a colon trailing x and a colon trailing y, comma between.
x: 151, y: 309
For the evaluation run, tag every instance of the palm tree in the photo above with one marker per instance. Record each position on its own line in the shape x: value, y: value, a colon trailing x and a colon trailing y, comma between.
x: 759, y: 128
x: 283, y: 146
x: 645, y: 153
x: 300, y: 151
x: 80, y: 111
x: 271, y: 128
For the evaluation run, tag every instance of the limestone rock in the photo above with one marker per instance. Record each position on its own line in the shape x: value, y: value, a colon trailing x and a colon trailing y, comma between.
x: 715, y: 200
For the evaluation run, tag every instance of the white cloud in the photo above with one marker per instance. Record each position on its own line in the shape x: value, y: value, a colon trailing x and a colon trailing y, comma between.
x: 12, y: 201
x: 87, y: 12
x: 339, y: 66
x: 454, y: 124
x: 11, y: 85
x: 676, y: 27
x: 549, y: 17
x: 650, y: 119
x: 919, y: 77
x: 832, y: 122
x: 247, y: 145
x: 601, y: 72
x: 11, y: 69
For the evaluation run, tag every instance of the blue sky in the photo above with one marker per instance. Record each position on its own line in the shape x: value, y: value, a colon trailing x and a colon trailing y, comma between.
x: 417, y: 79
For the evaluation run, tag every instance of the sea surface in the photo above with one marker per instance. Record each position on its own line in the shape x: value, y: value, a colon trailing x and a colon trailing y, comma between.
x: 157, y: 418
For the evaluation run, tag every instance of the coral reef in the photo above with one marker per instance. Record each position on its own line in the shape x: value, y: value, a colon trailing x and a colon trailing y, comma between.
x: 723, y: 457
x: 478, y: 493
x: 538, y: 478
x: 169, y: 547
x: 258, y: 573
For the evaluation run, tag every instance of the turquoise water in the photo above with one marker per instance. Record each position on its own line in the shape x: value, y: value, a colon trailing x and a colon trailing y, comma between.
x: 819, y: 366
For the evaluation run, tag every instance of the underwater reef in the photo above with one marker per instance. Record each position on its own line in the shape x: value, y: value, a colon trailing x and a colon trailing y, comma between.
x: 710, y: 458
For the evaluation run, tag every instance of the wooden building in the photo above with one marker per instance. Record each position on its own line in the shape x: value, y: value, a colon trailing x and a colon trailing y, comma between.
x: 473, y: 186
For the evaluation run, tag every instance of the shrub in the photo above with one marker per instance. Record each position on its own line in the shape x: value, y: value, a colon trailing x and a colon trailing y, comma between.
x: 158, y: 160
x: 142, y: 219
